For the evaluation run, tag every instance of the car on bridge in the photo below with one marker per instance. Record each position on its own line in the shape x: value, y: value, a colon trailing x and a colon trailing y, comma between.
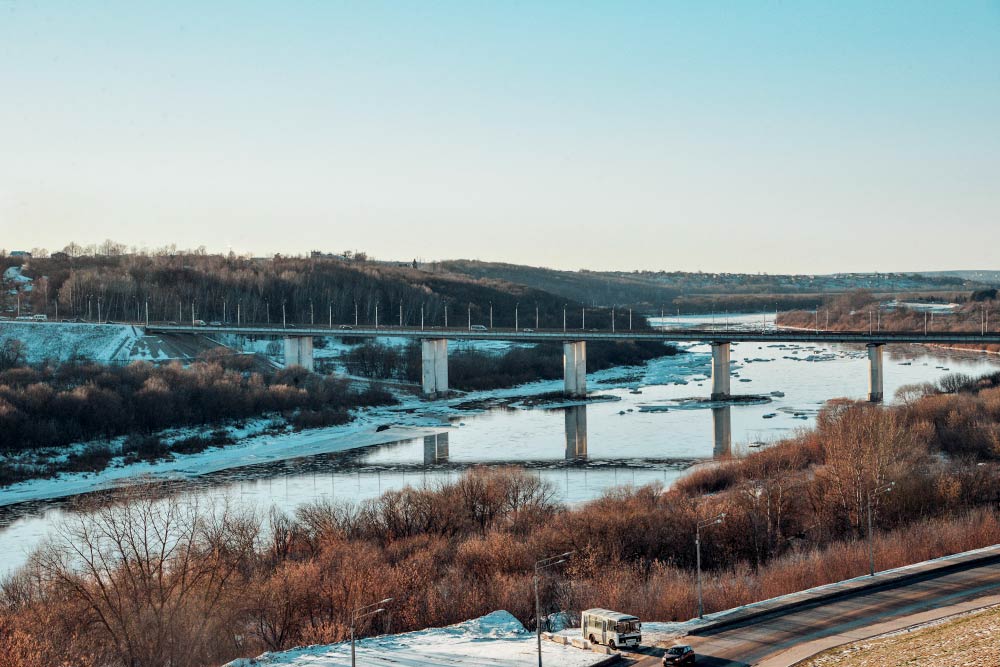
x: 477, y: 327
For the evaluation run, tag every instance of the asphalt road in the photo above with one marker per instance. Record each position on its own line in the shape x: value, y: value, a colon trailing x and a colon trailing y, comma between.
x: 748, y: 643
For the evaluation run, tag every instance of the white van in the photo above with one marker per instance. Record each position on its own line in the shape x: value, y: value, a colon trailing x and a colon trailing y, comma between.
x: 478, y: 327
x: 614, y: 629
x: 40, y: 318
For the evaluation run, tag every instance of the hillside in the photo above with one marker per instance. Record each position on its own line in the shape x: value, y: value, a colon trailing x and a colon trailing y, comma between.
x: 324, y: 290
x: 698, y: 292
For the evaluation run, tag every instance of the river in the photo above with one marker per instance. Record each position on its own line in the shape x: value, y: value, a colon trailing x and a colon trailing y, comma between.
x: 641, y: 432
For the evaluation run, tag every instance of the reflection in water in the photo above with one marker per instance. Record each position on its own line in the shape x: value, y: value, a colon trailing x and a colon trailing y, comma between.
x: 722, y: 425
x: 576, y: 433
x: 436, y: 448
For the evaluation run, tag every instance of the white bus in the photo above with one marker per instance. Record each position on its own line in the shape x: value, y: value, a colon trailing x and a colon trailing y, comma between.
x: 602, y: 626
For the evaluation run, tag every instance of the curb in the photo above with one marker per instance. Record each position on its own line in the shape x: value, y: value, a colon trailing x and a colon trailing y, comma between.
x: 882, y: 581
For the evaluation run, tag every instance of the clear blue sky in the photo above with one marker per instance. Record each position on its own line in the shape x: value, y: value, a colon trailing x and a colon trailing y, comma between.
x: 741, y: 136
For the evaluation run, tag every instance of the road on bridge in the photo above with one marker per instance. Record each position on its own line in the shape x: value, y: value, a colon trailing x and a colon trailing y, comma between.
x: 754, y: 639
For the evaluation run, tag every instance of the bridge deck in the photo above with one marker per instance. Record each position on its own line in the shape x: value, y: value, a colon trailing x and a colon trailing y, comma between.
x: 667, y: 335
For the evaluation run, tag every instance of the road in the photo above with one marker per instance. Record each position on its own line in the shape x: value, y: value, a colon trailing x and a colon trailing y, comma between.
x: 747, y: 644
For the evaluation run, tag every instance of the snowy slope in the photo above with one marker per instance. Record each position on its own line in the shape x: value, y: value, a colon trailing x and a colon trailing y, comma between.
x: 63, y: 341
x: 494, y: 640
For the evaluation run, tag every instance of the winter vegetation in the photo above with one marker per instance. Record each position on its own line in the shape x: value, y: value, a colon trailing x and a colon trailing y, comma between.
x: 50, y: 406
x: 473, y: 370
x: 858, y: 311
x: 149, y: 579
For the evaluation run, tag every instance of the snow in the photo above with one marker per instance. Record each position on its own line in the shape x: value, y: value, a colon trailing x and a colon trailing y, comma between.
x: 495, y: 640
x: 13, y: 274
x: 43, y: 341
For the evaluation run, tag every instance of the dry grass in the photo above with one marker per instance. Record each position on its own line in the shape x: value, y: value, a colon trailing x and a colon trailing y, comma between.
x: 973, y: 639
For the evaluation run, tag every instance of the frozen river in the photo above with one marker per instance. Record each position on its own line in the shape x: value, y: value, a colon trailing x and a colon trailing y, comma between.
x: 643, y: 432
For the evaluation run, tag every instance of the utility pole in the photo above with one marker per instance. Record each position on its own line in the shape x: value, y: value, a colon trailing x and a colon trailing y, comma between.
x: 363, y: 612
x: 697, y: 546
x: 885, y: 488
x: 539, y: 566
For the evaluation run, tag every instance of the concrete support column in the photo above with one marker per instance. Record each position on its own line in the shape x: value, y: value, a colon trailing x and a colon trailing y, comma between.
x: 575, y: 367
x: 875, y: 375
x: 299, y: 352
x: 436, y: 448
x: 720, y: 371
x: 722, y: 427
x: 576, y: 432
x: 434, y: 366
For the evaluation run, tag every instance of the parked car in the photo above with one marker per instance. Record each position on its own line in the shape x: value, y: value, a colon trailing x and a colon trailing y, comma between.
x: 477, y: 327
x: 679, y: 655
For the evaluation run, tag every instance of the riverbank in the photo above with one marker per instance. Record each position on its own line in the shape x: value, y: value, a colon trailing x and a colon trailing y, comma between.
x: 259, y: 441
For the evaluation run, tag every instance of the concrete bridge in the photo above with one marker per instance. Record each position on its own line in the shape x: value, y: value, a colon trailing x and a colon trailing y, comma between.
x: 434, y: 346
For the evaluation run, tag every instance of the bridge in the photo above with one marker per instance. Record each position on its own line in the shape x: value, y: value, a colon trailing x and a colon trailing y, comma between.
x: 434, y: 345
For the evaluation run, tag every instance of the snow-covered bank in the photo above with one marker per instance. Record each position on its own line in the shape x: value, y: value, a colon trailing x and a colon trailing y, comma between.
x: 495, y: 640
x: 43, y: 341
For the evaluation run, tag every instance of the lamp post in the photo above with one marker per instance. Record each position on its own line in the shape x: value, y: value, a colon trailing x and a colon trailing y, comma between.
x: 536, y: 317
x: 364, y: 612
x: 470, y: 317
x: 491, y: 314
x: 704, y: 523
x: 612, y: 319
x: 516, y: 305
x: 312, y: 314
x: 539, y: 566
x: 284, y: 320
x: 564, y: 319
x: 877, y: 491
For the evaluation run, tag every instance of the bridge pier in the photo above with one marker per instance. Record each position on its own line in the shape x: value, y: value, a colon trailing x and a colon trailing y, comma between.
x: 875, y: 375
x: 575, y: 367
x: 434, y: 366
x: 720, y: 371
x: 576, y: 432
x: 299, y: 352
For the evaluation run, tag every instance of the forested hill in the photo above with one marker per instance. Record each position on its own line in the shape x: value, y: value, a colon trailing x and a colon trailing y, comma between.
x: 310, y: 289
x: 697, y: 291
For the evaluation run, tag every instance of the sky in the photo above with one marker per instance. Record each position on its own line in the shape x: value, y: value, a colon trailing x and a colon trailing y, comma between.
x: 802, y: 137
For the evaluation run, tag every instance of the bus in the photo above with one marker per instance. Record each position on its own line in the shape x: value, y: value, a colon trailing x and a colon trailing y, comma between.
x: 614, y: 629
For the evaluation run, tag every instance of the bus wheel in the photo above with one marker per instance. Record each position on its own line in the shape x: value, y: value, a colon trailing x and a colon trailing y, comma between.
x: 611, y: 644
x: 592, y: 640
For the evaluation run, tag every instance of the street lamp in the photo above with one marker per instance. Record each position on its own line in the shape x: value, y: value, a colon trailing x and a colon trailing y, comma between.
x: 539, y: 566
x: 516, y: 305
x: 877, y: 491
x: 704, y: 523
x: 364, y: 612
